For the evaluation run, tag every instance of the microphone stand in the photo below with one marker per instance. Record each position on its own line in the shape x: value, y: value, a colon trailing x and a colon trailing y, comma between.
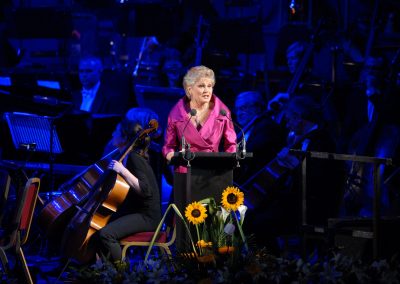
x: 187, y: 155
x: 240, y: 147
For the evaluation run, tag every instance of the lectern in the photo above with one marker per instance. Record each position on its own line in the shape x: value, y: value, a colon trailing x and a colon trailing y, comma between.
x: 208, y: 174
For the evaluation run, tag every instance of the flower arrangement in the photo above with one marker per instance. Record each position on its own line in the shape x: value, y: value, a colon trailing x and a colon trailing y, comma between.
x: 221, y: 255
x: 256, y: 267
x: 218, y: 228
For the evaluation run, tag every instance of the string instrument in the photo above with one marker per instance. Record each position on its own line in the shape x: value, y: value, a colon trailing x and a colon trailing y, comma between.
x: 298, y: 74
x: 200, y: 40
x: 356, y: 175
x: 266, y: 179
x: 304, y: 62
x: 55, y: 215
x: 104, y: 198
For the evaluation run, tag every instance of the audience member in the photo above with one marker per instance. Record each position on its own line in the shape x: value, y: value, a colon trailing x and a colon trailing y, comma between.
x: 264, y: 137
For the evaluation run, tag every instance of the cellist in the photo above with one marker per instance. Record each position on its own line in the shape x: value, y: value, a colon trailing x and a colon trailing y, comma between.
x: 141, y: 209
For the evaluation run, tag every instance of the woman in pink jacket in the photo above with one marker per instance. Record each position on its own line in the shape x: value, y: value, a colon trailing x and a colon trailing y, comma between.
x: 202, y: 119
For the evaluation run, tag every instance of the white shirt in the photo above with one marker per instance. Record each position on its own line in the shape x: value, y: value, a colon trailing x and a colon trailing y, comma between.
x: 88, y: 96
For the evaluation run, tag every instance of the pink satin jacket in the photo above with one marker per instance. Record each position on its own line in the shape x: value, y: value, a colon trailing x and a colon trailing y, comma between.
x: 217, y: 128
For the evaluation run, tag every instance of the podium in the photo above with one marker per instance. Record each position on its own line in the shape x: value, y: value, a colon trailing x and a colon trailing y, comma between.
x: 208, y: 174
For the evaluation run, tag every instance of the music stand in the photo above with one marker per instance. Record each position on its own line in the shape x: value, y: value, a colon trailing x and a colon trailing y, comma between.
x: 375, y: 161
x: 32, y: 132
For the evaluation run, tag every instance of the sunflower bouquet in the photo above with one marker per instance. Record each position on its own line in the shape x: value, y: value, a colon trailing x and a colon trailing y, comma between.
x: 216, y: 226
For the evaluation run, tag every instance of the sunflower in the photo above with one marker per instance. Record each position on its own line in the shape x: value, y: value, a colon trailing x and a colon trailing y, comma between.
x: 226, y: 249
x: 195, y: 213
x: 204, y: 244
x: 232, y: 198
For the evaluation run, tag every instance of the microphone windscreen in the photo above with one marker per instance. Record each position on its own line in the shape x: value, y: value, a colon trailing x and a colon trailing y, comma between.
x: 193, y: 112
x: 222, y: 112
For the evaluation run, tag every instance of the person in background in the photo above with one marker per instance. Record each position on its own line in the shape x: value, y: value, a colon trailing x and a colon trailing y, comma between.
x: 372, y: 129
x: 100, y: 94
x: 294, y: 54
x: 144, y: 115
x: 264, y: 137
x: 157, y: 64
x: 172, y: 71
x: 280, y: 211
x: 305, y: 82
x: 141, y: 210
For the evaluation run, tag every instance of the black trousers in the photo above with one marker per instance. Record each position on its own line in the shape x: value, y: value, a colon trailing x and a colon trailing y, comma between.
x: 109, y: 236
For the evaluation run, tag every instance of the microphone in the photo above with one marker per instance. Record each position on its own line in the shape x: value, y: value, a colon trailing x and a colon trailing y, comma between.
x: 243, y: 142
x: 183, y: 140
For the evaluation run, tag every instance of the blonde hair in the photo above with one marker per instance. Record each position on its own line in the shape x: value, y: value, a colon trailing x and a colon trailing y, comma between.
x: 195, y: 73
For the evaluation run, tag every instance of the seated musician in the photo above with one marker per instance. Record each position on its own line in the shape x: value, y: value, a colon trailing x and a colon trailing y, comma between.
x: 101, y: 92
x: 281, y: 211
x: 141, y: 209
x: 264, y: 137
x: 144, y: 115
x: 375, y: 130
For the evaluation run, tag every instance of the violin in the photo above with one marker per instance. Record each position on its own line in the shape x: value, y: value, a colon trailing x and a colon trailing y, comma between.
x: 268, y: 178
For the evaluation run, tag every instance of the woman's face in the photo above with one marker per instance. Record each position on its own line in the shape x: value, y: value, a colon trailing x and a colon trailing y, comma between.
x: 201, y: 91
x: 118, y: 139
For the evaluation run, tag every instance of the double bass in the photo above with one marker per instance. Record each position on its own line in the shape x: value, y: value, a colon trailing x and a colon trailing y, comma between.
x: 105, y: 191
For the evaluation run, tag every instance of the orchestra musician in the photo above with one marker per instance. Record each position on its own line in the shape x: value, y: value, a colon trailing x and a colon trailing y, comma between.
x: 141, y: 210
x: 280, y: 211
x: 101, y: 94
x: 375, y: 128
x: 264, y: 137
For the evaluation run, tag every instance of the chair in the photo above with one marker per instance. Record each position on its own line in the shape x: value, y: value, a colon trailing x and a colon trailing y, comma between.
x: 22, y: 223
x: 162, y: 239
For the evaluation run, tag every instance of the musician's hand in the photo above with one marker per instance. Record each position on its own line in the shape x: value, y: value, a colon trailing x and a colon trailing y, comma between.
x: 278, y: 101
x: 287, y: 160
x: 116, y: 166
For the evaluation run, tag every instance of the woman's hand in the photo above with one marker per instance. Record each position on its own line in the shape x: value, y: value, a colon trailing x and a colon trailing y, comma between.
x: 169, y: 156
x: 116, y: 166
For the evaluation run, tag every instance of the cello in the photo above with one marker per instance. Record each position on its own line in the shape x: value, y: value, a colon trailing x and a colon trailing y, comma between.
x: 55, y: 215
x: 107, y: 193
